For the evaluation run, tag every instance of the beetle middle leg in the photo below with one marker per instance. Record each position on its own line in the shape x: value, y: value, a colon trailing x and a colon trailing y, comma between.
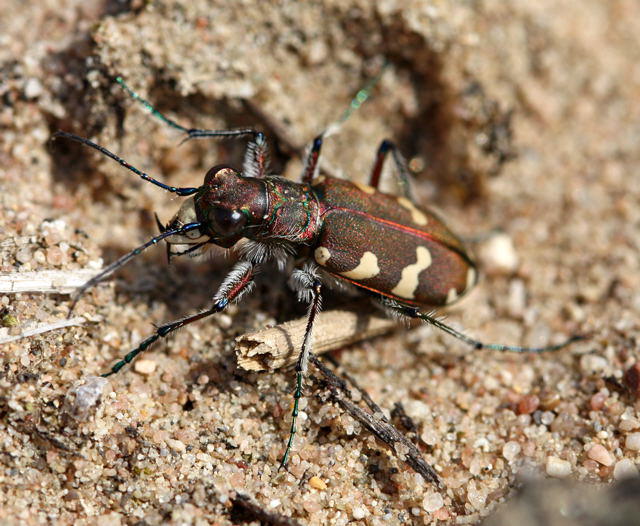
x: 310, y: 288
x: 234, y: 286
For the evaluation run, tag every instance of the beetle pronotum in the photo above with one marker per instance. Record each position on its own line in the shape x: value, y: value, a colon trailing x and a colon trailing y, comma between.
x: 337, y: 231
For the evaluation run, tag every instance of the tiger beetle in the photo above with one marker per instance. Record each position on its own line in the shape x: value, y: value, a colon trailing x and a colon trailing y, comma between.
x: 337, y: 232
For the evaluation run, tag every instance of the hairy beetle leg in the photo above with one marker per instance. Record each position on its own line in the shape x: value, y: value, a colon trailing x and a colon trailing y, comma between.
x: 237, y: 282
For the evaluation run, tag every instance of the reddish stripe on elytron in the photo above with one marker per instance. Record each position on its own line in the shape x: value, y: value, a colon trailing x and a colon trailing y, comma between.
x: 402, y: 228
x: 371, y: 289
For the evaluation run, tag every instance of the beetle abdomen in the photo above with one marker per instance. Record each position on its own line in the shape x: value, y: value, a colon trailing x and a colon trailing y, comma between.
x: 399, y: 251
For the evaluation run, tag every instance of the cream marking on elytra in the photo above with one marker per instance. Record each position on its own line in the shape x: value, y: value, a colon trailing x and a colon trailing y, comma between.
x: 471, y: 279
x: 366, y: 188
x: 408, y: 284
x: 367, y: 268
x: 452, y: 295
x: 417, y: 215
x: 321, y: 255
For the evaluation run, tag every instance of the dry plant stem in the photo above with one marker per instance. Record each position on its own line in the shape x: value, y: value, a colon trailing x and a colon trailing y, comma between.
x: 279, y: 346
x: 49, y: 281
x: 60, y: 324
x: 380, y: 427
x: 254, y: 511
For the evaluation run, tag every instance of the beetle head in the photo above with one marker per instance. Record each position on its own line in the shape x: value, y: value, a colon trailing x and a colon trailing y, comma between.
x: 227, y: 205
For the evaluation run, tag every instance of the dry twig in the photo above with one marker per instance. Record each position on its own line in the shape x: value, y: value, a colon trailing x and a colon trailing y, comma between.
x: 46, y: 327
x: 50, y: 281
x: 278, y: 346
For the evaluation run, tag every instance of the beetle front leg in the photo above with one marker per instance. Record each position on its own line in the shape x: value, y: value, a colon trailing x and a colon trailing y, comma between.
x: 403, y: 175
x: 313, y: 289
x: 234, y: 286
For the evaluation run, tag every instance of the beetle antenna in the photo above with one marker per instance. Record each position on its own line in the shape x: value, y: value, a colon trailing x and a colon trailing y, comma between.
x: 125, y: 259
x: 192, y: 133
x: 173, y: 189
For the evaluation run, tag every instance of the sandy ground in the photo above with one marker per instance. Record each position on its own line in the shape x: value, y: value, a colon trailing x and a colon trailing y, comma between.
x: 518, y: 116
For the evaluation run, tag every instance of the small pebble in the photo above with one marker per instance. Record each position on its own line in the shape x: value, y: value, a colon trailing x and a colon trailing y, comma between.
x: 549, y: 400
x: 24, y: 255
x: 55, y: 256
x: 633, y: 442
x: 442, y: 514
x: 600, y: 454
x: 517, y: 297
x: 317, y: 483
x: 631, y: 379
x: 476, y: 497
x: 145, y: 367
x: 597, y: 401
x: 498, y: 255
x: 176, y: 445
x: 203, y: 379
x: 432, y: 502
x: 39, y: 257
x: 593, y: 364
x: 32, y: 88
x: 359, y: 513
x: 547, y: 418
x: 628, y: 424
x: 511, y: 450
x: 591, y: 465
x: 625, y: 469
x: 558, y: 468
x: 528, y: 404
x: 312, y: 504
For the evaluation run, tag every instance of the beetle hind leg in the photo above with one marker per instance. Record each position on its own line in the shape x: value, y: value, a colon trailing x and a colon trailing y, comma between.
x: 403, y: 175
x: 414, y: 312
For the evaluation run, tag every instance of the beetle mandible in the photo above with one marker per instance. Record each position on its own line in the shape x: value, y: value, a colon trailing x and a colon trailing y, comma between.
x: 385, y: 246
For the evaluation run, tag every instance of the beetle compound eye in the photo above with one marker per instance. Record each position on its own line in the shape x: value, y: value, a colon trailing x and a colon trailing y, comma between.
x: 226, y: 222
